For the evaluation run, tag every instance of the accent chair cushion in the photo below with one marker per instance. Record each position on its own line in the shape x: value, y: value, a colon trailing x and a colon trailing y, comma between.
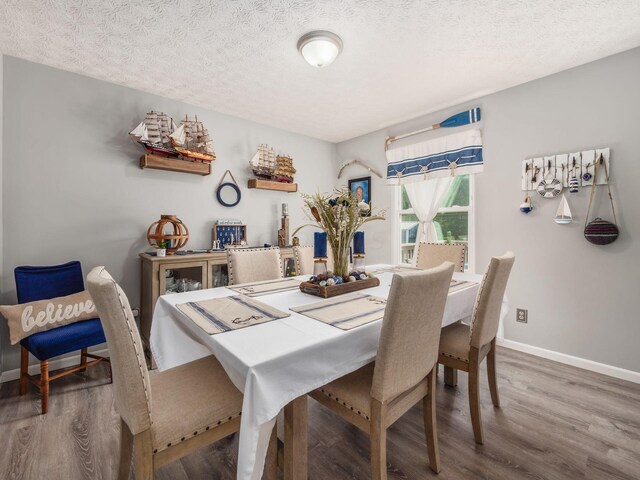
x: 455, y: 341
x: 65, y: 339
x: 29, y: 318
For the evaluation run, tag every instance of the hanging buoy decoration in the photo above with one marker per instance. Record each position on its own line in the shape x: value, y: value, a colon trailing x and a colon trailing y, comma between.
x: 526, y: 206
x: 573, y: 184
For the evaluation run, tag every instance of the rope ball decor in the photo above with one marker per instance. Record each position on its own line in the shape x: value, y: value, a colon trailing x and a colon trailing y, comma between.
x: 176, y: 237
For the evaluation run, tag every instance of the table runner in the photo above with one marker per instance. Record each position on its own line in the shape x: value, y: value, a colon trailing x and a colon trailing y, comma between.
x: 275, y: 362
x: 346, y: 311
x: 267, y: 287
x: 218, y: 315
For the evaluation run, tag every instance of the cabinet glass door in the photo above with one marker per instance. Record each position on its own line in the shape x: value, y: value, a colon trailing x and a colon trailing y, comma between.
x: 178, y: 277
x: 219, y: 275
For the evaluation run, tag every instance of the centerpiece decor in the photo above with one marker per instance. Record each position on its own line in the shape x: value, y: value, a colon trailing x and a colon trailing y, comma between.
x: 168, y: 233
x: 339, y: 215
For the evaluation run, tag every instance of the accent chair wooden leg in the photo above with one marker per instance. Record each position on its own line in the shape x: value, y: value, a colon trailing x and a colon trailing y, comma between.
x: 83, y: 359
x: 378, y: 438
x: 295, y: 439
x: 271, y: 464
x: 126, y: 451
x: 491, y: 373
x: 430, y: 426
x: 474, y: 394
x: 143, y: 455
x: 24, y: 370
x: 450, y: 376
x: 44, y: 386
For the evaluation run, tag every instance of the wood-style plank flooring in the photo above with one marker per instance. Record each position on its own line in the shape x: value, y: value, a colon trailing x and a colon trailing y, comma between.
x: 556, y: 422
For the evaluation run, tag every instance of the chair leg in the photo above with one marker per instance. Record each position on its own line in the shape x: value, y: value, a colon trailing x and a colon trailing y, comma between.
x: 24, y: 370
x: 44, y: 386
x: 378, y: 438
x: 83, y: 359
x: 450, y: 376
x: 430, y: 426
x: 474, y: 394
x: 491, y: 373
x: 126, y: 451
x: 143, y: 455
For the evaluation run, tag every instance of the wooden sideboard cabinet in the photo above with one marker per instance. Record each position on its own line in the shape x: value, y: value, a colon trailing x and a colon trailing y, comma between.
x: 179, y: 273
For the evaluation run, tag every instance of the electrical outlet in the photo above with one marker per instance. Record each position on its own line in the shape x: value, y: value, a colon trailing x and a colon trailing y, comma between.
x: 522, y: 315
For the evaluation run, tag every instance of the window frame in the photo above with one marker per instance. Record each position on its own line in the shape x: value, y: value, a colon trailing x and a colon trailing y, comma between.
x: 398, y: 211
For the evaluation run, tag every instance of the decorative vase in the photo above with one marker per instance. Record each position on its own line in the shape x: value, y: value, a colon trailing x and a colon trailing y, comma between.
x: 170, y: 230
x: 341, y: 258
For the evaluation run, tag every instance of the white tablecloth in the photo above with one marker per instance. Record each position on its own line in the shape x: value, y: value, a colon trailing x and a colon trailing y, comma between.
x: 276, y: 362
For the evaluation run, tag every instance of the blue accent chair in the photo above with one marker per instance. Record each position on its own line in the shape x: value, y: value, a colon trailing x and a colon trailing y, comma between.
x: 40, y: 283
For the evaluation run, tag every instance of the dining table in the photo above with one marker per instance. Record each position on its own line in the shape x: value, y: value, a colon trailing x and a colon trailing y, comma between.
x: 275, y: 364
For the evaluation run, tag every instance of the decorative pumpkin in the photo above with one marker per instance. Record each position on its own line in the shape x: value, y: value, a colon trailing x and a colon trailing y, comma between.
x: 174, y: 239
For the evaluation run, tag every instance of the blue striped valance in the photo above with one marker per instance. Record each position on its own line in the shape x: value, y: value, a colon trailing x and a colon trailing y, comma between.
x: 456, y: 154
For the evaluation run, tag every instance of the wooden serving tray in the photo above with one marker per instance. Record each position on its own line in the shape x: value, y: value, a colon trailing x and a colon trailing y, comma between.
x: 333, y: 290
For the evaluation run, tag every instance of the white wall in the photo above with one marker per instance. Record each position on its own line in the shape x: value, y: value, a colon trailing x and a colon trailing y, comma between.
x: 72, y: 188
x: 582, y: 299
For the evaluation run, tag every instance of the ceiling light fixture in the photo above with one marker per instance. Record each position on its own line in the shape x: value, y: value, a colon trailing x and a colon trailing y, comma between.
x: 320, y: 48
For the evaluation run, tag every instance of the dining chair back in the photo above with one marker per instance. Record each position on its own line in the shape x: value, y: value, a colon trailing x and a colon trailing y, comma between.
x: 303, y: 256
x: 35, y: 283
x: 247, y: 265
x: 433, y: 254
x: 131, y: 385
x: 410, y: 335
x: 486, y: 313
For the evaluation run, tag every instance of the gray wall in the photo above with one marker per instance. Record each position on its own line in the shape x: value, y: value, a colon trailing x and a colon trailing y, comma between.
x: 72, y: 188
x: 582, y: 299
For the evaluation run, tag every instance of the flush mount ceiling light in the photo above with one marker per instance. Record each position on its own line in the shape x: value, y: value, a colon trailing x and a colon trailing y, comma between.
x: 320, y: 48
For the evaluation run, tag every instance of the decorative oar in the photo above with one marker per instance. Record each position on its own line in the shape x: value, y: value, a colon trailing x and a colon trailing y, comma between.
x: 457, y: 120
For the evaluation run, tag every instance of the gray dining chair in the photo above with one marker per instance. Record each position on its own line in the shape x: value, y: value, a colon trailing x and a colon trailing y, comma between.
x: 166, y: 415
x: 248, y: 265
x: 404, y: 372
x: 463, y: 347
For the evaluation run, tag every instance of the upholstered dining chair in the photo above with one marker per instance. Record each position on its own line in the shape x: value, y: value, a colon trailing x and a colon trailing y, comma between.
x: 303, y: 256
x: 165, y: 415
x: 433, y: 254
x: 41, y: 283
x: 247, y: 265
x: 404, y: 372
x: 463, y: 347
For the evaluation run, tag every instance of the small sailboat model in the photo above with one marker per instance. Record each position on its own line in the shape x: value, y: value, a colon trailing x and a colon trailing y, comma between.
x: 191, y: 140
x: 563, y: 214
x: 153, y: 133
x: 284, y: 169
x: 263, y: 163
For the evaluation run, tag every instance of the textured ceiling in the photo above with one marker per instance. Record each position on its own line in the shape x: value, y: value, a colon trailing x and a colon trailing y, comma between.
x: 401, y: 58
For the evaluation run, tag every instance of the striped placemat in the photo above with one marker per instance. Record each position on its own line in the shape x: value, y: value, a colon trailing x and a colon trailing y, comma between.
x: 225, y: 314
x: 395, y: 269
x: 346, y: 311
x: 267, y: 287
x: 457, y: 285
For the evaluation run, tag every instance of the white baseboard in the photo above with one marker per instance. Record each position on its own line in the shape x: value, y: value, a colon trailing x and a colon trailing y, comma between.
x: 616, y: 372
x: 56, y: 364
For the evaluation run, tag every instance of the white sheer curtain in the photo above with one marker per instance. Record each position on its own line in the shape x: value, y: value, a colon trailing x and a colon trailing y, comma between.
x: 426, y: 198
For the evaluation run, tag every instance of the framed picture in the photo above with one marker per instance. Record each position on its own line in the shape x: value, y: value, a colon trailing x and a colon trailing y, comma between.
x: 361, y: 189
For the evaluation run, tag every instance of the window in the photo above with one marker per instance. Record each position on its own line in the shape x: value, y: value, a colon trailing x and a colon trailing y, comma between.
x: 454, y: 221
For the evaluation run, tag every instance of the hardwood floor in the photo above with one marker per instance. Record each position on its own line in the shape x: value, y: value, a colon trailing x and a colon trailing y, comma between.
x: 556, y: 422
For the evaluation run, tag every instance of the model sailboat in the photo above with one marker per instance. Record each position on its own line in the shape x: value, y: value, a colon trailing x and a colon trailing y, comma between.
x: 153, y: 133
x: 563, y: 215
x: 191, y: 140
x: 266, y: 165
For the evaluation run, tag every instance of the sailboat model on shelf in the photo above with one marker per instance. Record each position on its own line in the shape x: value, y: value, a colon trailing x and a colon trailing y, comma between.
x: 191, y: 140
x: 284, y: 170
x: 153, y: 133
x: 263, y: 163
x: 563, y: 214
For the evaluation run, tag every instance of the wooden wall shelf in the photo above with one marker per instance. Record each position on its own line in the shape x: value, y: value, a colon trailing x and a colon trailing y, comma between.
x: 159, y: 162
x: 271, y: 185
